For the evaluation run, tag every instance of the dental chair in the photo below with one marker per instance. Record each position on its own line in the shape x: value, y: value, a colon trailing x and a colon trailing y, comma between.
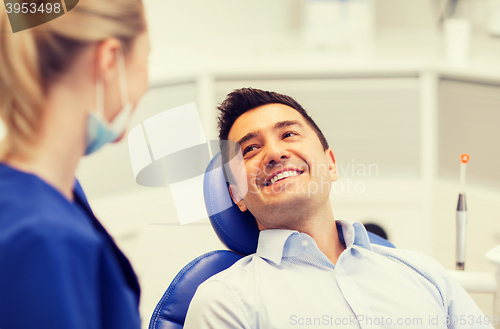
x: 237, y: 230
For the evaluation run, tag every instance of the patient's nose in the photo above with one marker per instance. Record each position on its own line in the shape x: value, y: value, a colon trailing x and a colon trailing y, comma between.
x: 275, y: 154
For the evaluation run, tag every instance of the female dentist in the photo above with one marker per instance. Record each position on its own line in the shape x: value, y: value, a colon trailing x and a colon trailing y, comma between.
x: 67, y: 88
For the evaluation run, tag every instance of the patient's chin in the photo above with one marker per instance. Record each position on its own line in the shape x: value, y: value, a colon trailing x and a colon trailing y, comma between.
x: 289, y: 204
x: 289, y: 196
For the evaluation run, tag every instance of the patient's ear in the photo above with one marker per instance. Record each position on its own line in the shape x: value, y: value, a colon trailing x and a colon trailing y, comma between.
x: 237, y: 198
x: 332, y: 166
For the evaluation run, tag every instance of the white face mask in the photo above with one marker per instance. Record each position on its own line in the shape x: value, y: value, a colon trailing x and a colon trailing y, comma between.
x: 99, y: 130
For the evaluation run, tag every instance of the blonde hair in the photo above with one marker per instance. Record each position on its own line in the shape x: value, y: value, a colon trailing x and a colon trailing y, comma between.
x: 32, y: 59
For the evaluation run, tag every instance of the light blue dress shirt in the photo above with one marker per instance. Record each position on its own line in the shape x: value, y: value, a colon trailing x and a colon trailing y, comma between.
x: 290, y: 283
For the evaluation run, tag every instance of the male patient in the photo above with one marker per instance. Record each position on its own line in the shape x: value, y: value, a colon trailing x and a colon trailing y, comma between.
x: 309, y: 269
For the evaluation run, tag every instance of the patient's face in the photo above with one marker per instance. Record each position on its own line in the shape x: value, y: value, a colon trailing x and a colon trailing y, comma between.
x: 287, y: 171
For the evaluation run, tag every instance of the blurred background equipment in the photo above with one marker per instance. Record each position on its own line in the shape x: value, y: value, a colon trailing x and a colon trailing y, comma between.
x: 493, y: 18
x: 339, y: 23
x: 462, y: 215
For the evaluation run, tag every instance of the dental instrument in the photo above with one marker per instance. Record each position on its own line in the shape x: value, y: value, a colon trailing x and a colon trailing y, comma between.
x: 461, y: 215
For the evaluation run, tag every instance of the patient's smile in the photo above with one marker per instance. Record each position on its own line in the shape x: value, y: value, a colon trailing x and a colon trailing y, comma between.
x: 282, y: 175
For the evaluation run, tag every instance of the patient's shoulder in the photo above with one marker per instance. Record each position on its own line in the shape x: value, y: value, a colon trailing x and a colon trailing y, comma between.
x: 228, y: 289
x: 220, y: 301
x: 410, y: 257
x: 420, y: 263
x: 235, y: 272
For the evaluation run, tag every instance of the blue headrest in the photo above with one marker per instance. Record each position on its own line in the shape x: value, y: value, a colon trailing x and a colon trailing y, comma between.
x: 237, y: 230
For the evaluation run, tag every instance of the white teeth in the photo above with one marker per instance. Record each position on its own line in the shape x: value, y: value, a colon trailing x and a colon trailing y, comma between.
x: 282, y: 175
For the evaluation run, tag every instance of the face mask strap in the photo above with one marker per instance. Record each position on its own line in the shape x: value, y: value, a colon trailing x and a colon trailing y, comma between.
x: 99, y: 94
x: 122, y: 76
x: 122, y: 80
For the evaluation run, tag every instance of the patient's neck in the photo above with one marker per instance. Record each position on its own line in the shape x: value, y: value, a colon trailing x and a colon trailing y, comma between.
x: 322, y: 228
x: 320, y: 225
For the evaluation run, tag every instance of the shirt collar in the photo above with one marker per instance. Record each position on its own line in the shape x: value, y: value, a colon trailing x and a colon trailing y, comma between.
x: 353, y: 234
x: 272, y: 242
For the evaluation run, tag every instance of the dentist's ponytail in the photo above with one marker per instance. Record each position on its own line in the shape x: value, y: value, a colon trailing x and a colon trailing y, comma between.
x: 21, y: 95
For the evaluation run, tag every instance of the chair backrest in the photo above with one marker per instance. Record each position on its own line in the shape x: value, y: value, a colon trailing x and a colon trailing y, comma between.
x: 237, y: 230
x: 170, y: 312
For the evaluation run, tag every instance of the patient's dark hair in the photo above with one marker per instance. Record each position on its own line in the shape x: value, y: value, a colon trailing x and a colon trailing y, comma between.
x: 243, y: 100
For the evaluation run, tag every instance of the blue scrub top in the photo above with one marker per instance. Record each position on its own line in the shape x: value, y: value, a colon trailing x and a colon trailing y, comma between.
x: 59, y: 268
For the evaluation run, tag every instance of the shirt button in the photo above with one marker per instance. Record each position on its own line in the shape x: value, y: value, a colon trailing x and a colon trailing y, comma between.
x: 305, y: 243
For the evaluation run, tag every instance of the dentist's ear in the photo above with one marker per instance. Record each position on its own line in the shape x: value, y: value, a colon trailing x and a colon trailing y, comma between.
x: 332, y: 166
x: 237, y: 198
x: 107, y: 58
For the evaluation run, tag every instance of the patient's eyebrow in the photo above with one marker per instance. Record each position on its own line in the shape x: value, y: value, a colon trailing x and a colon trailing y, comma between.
x: 277, y: 125
x: 287, y: 123
x: 247, y: 137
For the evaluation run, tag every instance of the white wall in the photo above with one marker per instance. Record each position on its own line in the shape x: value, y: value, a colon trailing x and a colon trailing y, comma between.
x: 191, y: 21
x: 409, y: 14
x: 196, y: 21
